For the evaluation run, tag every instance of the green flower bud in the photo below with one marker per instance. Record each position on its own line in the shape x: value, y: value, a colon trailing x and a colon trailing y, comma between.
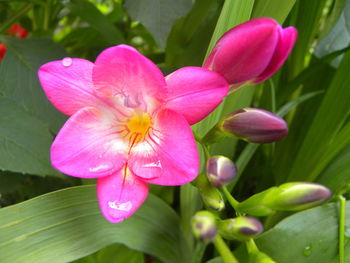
x: 286, y: 197
x: 254, y: 125
x: 204, y: 226
x: 298, y: 196
x: 220, y: 170
x: 211, y: 196
x: 240, y: 228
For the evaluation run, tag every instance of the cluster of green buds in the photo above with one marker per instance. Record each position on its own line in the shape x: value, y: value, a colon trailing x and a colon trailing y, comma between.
x: 293, y: 196
x: 206, y: 226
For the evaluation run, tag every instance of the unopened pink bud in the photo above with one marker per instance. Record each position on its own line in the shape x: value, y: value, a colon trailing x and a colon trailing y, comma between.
x: 252, y: 51
x: 255, y: 125
x: 220, y: 170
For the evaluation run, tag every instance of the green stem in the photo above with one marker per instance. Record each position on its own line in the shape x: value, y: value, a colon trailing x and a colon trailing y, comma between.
x: 224, y: 251
x: 199, y: 252
x: 233, y: 202
x: 251, y: 247
x: 15, y: 17
x: 342, y: 216
x: 47, y: 14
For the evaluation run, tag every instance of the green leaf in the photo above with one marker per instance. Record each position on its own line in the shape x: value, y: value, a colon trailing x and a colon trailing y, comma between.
x: 338, y: 38
x: 325, y: 125
x: 19, y: 78
x: 24, y: 141
x: 158, y: 16
x: 276, y: 9
x: 113, y: 253
x: 66, y: 225
x: 310, y: 236
x: 232, y: 14
x: 307, y: 17
x: 190, y: 36
x: 119, y: 253
x: 337, y: 175
x: 89, y: 13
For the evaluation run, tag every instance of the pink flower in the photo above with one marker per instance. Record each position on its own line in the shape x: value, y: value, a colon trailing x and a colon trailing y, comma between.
x: 129, y: 125
x: 251, y: 52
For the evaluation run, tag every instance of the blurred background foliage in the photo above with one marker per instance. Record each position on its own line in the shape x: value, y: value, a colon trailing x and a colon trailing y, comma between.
x: 312, y: 92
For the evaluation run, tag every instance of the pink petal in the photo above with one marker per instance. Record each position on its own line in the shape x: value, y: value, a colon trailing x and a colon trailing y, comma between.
x: 245, y: 51
x: 120, y: 195
x: 88, y: 145
x: 123, y: 71
x: 195, y: 92
x: 68, y: 84
x: 286, y: 42
x: 168, y: 155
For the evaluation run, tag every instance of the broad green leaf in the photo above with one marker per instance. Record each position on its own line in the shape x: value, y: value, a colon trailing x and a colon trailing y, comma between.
x: 24, y: 141
x: 325, y: 124
x: 310, y: 236
x: 338, y: 38
x: 114, y: 253
x: 158, y: 16
x: 119, y: 253
x: 66, y: 225
x: 276, y: 9
x: 89, y: 13
x: 19, y: 77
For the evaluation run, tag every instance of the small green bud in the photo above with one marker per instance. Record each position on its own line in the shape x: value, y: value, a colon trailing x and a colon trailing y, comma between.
x: 298, y: 196
x: 204, y: 226
x: 241, y: 228
x: 220, y: 170
x: 211, y: 196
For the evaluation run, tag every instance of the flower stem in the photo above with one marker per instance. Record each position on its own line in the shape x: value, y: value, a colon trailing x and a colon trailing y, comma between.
x: 224, y: 251
x: 233, y: 202
x: 251, y: 247
x: 342, y: 215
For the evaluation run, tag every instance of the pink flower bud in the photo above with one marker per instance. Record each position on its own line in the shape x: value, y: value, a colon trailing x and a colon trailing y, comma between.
x: 252, y: 51
x: 255, y: 125
x: 220, y: 170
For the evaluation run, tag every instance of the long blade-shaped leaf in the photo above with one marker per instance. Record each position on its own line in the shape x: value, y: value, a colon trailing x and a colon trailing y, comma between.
x: 65, y: 225
x: 328, y: 120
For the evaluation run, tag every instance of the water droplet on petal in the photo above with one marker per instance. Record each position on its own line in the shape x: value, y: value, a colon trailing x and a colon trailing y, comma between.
x: 157, y: 164
x: 307, y: 251
x: 120, y: 206
x: 100, y: 168
x: 67, y: 62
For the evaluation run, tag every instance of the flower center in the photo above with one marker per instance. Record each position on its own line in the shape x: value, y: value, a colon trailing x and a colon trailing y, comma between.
x: 138, y: 127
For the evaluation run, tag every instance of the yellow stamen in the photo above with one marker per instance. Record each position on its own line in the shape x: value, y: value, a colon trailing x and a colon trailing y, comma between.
x: 138, y: 127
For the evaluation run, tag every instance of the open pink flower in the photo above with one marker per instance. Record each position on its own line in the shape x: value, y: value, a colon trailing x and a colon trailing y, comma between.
x: 251, y: 52
x: 129, y: 125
